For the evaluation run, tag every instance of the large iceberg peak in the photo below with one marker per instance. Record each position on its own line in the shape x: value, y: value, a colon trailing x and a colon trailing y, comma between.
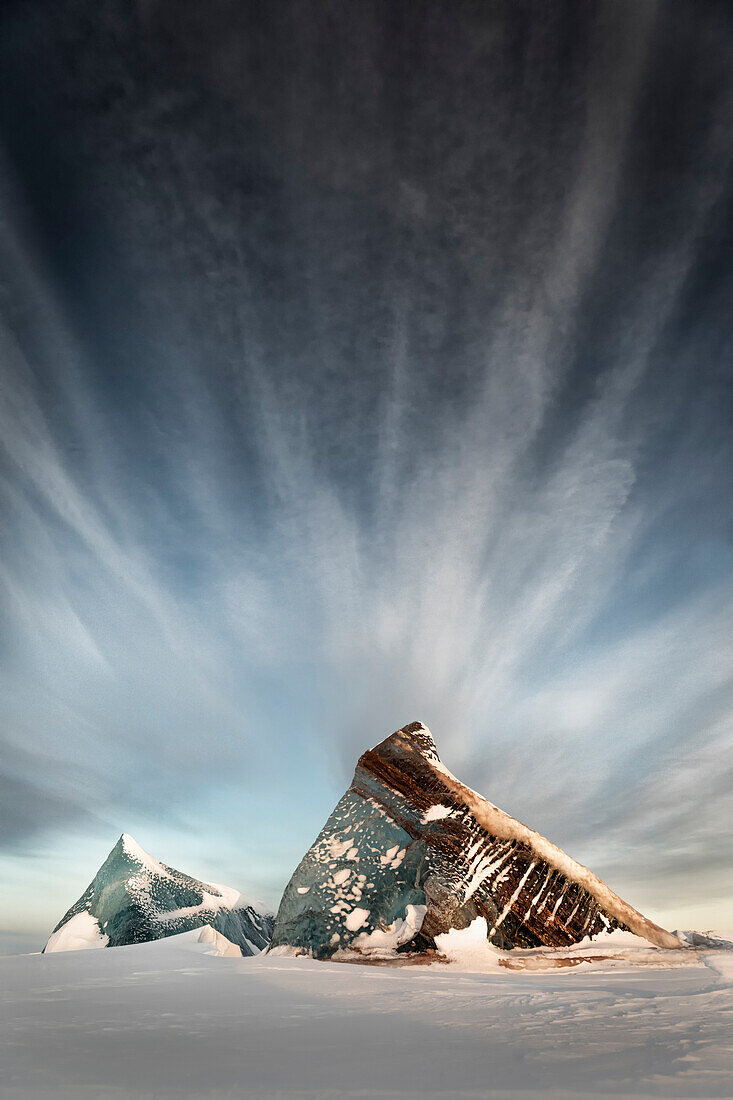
x: 410, y: 853
x: 414, y: 737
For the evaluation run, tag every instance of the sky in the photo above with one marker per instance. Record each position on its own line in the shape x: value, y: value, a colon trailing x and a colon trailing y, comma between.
x: 364, y: 363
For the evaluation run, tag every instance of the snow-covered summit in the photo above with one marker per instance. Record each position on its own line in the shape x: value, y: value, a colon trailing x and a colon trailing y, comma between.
x: 134, y: 898
x: 410, y: 852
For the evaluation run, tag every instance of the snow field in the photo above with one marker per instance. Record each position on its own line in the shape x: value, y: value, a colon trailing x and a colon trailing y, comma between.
x: 169, y: 1020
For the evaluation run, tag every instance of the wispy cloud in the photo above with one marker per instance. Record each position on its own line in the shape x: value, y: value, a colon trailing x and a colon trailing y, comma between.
x: 280, y: 501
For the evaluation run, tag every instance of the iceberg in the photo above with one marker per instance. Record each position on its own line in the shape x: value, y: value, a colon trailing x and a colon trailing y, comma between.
x: 410, y: 853
x: 135, y: 898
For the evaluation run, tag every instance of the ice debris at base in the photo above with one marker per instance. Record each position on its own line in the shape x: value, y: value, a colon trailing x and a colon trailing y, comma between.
x: 135, y: 898
x: 469, y: 948
x: 406, y: 838
x: 385, y: 941
x: 702, y: 939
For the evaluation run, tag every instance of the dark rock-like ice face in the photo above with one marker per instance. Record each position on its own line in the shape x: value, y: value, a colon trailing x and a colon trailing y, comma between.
x: 134, y: 898
x: 361, y: 874
x: 409, y: 853
x: 368, y: 875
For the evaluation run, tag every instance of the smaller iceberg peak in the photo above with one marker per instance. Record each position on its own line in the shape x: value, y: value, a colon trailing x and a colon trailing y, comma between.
x: 131, y: 846
x: 132, y: 849
x: 135, y: 898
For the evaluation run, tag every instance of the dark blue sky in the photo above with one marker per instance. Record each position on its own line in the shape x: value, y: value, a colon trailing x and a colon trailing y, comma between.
x: 364, y: 363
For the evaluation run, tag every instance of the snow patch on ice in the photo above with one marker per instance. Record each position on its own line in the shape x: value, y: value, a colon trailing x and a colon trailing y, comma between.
x: 436, y: 813
x: 338, y: 848
x: 393, y: 857
x: 356, y: 919
x: 135, y: 851
x: 384, y: 941
x: 81, y: 932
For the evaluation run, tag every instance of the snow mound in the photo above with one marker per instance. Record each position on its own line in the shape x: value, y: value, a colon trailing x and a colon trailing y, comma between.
x: 222, y: 946
x: 80, y: 932
x: 469, y: 948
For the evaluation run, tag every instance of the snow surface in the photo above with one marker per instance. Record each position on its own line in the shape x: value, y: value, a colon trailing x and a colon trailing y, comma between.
x: 168, y: 1020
